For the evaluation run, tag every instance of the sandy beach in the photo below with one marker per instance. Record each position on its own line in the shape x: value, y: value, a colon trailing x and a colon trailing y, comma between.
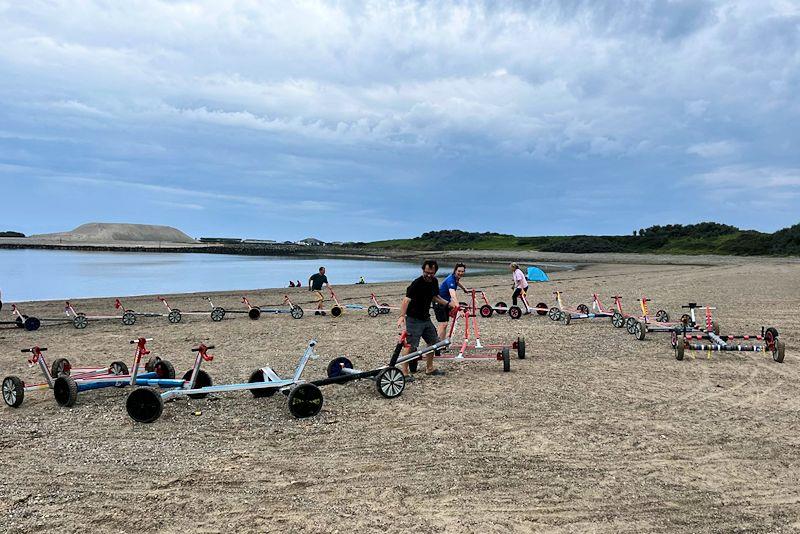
x: 593, y: 432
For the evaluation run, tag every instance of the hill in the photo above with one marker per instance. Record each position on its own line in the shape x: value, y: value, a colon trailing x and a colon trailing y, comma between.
x: 701, y: 238
x: 116, y: 232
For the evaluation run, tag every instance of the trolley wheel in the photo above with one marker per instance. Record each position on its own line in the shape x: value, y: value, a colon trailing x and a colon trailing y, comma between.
x: 128, y: 318
x: 174, y: 317
x: 506, y: 355
x: 373, y: 311
x: 202, y: 380
x: 118, y: 368
x: 770, y: 335
x: 502, y: 307
x: 662, y: 316
x: 305, y: 400
x: 164, y: 369
x: 686, y: 319
x: 639, y: 330
x: 336, y: 311
x: 618, y: 320
x: 65, y: 390
x: 486, y: 311
x: 297, y: 312
x: 20, y: 321
x: 61, y: 366
x: 521, y: 348
x: 541, y: 309
x: 566, y: 318
x: 258, y: 376
x: 150, y: 365
x: 413, y: 365
x: 144, y: 405
x: 31, y: 324
x: 390, y: 382
x: 630, y: 325
x: 335, y: 366
x: 515, y: 312
x: 385, y: 308
x: 13, y: 391
x: 680, y: 347
x: 554, y: 314
x: 777, y: 354
x: 715, y: 327
x: 80, y: 321
x: 254, y: 313
x: 583, y: 308
x: 217, y: 314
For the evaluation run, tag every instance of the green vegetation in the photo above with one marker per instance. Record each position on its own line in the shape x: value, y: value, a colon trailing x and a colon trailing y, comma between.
x: 702, y: 238
x: 11, y: 234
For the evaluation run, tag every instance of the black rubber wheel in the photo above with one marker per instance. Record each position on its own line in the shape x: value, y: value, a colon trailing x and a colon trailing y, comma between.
x: 164, y: 369
x: 65, y: 390
x: 61, y: 366
x: 336, y: 311
x: 174, y: 317
x: 335, y: 366
x: 203, y: 380
x: 385, y: 308
x: 502, y: 307
x: 80, y: 321
x: 254, y: 313
x: 506, y: 355
x: 715, y: 327
x: 770, y: 334
x: 521, y: 348
x: 144, y: 405
x: 639, y: 330
x: 680, y: 347
x: 258, y: 376
x: 297, y: 312
x: 373, y: 311
x: 31, y: 324
x: 13, y: 391
x: 305, y: 400
x: 119, y: 368
x: 662, y: 316
x: 554, y: 314
x: 630, y: 325
x: 390, y: 382
x: 618, y: 320
x: 686, y: 319
x: 583, y: 308
x: 566, y: 318
x: 778, y: 354
x: 515, y: 312
x: 20, y: 321
x: 486, y: 311
x: 217, y: 314
x: 541, y: 309
x: 128, y: 318
x: 413, y: 365
x: 150, y: 365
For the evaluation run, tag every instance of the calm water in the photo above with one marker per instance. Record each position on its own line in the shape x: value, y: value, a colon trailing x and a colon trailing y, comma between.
x: 60, y: 275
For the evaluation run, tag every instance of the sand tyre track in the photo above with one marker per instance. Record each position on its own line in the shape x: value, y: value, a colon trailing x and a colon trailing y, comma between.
x: 144, y: 405
x: 13, y: 391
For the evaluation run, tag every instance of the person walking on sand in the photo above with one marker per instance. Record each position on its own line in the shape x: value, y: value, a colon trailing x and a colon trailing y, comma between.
x: 315, y: 283
x: 415, y: 317
x: 520, y: 284
x: 449, y: 292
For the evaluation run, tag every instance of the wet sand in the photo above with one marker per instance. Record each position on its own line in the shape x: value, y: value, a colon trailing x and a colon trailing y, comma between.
x: 593, y: 432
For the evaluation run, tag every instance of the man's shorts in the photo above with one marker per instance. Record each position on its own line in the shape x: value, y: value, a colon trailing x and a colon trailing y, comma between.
x: 442, y: 313
x: 320, y: 297
x: 417, y: 329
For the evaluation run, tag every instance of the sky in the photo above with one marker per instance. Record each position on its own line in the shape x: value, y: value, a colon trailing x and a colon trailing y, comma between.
x: 358, y: 121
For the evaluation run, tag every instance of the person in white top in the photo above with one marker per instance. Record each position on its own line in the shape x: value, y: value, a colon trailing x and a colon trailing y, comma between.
x: 520, y: 283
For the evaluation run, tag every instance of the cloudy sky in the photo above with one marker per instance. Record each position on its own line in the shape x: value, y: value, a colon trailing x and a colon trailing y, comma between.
x: 369, y: 120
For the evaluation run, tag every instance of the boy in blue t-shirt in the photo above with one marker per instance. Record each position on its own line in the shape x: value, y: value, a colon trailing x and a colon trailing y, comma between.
x: 447, y: 290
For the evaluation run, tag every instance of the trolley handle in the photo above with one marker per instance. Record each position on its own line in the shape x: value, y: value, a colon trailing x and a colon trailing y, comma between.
x: 690, y: 305
x: 645, y: 299
x: 141, y: 339
x: 202, y: 350
x: 35, y: 349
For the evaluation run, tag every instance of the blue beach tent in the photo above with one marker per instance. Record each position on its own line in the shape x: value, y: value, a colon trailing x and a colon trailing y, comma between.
x: 536, y: 275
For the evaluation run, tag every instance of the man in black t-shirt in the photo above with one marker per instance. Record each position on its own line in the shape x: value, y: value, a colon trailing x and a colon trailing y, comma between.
x: 315, y: 283
x: 415, y: 315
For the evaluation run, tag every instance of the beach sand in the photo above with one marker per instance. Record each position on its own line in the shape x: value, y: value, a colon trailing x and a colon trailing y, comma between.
x: 593, y: 432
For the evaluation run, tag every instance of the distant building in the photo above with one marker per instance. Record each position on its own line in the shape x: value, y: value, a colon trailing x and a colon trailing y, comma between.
x: 311, y: 241
x: 222, y: 240
x: 260, y: 241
